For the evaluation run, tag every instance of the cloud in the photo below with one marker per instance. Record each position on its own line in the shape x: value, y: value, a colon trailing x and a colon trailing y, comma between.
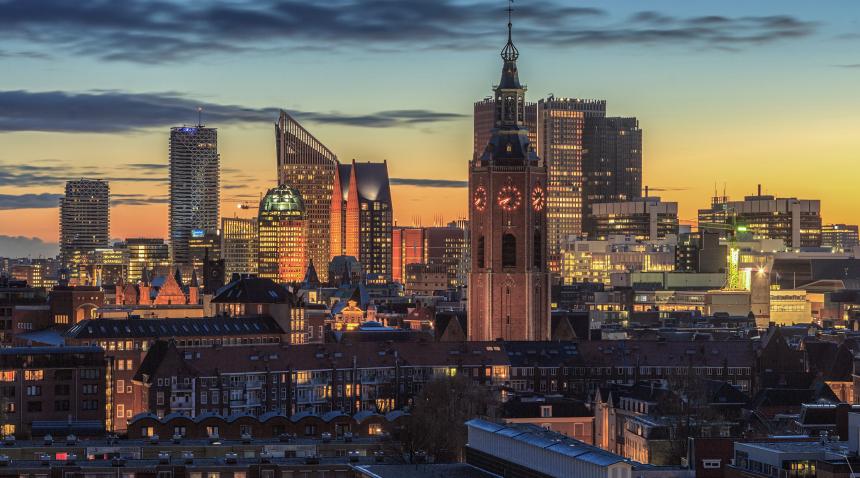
x: 429, y: 183
x: 29, y: 201
x: 137, y: 200
x: 56, y: 172
x: 118, y: 111
x: 848, y: 65
x: 20, y: 246
x: 667, y: 188
x: 159, y: 31
x: 147, y: 166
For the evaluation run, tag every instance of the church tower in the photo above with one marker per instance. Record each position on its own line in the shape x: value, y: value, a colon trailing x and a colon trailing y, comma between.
x: 509, y: 282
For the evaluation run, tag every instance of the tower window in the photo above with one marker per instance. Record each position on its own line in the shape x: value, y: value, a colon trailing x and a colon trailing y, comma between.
x: 480, y: 252
x: 538, y: 252
x: 509, y: 250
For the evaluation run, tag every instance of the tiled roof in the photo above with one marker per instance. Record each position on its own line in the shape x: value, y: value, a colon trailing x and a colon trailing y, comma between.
x: 253, y: 290
x: 164, y: 328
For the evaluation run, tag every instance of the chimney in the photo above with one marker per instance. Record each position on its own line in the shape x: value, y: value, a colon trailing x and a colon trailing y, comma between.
x: 759, y: 190
x: 646, y: 190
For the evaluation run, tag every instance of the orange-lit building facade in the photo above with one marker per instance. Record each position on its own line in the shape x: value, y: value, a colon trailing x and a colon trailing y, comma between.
x: 407, y: 247
x: 283, y: 236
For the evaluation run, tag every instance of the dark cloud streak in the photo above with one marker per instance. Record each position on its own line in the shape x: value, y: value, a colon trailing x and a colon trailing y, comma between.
x: 429, y: 183
x: 117, y: 111
x: 157, y: 31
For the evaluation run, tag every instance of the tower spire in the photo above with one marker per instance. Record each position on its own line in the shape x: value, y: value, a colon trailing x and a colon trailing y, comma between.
x: 510, y: 52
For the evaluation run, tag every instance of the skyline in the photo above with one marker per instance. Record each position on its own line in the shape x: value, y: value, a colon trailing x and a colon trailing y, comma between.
x: 402, y: 109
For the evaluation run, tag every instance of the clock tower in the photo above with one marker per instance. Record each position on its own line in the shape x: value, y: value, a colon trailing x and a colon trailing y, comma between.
x: 509, y: 281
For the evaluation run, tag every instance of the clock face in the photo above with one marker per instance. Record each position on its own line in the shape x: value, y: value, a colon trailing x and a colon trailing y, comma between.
x: 538, y: 198
x: 480, y: 199
x: 510, y: 198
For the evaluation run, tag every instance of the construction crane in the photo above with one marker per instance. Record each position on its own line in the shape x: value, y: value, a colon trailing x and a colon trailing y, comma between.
x: 733, y: 276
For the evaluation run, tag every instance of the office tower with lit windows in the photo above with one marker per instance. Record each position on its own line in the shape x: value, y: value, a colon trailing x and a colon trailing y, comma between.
x: 445, y: 248
x: 239, y: 245
x: 509, y: 280
x: 306, y: 164
x: 797, y: 222
x: 282, y: 229
x: 839, y: 237
x: 337, y: 210
x: 146, y: 253
x: 194, y: 187
x: 560, y: 127
x: 643, y: 219
x: 365, y: 218
x: 84, y: 218
x: 611, y: 162
x: 202, y: 247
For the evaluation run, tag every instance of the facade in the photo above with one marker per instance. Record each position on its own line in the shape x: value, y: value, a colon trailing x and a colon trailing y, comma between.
x: 407, y: 247
x: 282, y: 229
x: 560, y: 127
x: 362, y: 218
x: 307, y: 165
x: 239, y: 245
x: 84, y: 218
x: 509, y: 283
x: 644, y: 219
x: 203, y: 247
x: 797, y: 222
x: 145, y: 254
x: 840, y: 237
x: 596, y: 261
x: 195, y: 173
x: 55, y: 390
x: 612, y: 162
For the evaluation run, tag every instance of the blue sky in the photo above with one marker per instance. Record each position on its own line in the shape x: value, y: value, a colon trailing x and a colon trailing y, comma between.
x: 726, y: 92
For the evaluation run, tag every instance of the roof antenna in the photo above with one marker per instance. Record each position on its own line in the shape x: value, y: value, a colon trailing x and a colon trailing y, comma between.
x: 199, y: 116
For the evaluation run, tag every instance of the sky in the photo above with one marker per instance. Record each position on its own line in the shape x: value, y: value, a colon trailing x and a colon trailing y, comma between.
x: 728, y: 94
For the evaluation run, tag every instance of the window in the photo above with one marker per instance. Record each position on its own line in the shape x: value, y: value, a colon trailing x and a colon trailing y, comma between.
x: 146, y: 432
x: 90, y: 389
x: 546, y: 411
x: 61, y: 405
x: 7, y: 376
x: 34, y: 390
x: 538, y: 250
x: 711, y: 464
x: 34, y: 406
x: 120, y: 411
x: 180, y: 431
x: 212, y: 431
x: 480, y: 252
x: 33, y: 374
x: 62, y: 390
x: 509, y: 250
x: 120, y: 386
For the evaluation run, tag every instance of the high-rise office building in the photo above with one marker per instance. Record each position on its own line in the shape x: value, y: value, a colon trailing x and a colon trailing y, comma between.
x: 282, y: 229
x: 146, y: 253
x: 797, y: 222
x: 307, y: 165
x: 194, y: 187
x: 337, y: 210
x: 407, y: 247
x: 509, y: 282
x: 442, y: 248
x: 84, y: 218
x: 203, y: 247
x: 365, y: 218
x: 644, y: 219
x: 239, y: 245
x: 560, y: 126
x: 611, y: 162
x: 839, y: 237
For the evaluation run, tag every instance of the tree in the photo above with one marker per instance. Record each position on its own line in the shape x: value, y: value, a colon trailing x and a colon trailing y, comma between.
x: 436, y: 424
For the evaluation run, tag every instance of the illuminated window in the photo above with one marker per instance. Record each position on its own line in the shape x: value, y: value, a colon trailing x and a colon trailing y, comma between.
x: 33, y: 374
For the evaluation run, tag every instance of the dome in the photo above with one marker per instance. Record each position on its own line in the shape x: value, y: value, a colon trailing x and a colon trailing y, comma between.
x: 283, y: 199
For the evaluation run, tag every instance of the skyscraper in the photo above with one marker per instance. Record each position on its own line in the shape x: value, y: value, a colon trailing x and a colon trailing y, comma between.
x: 146, y: 253
x: 509, y: 283
x: 282, y: 229
x: 560, y: 125
x: 239, y: 245
x: 194, y: 187
x: 307, y: 165
x: 365, y: 219
x: 84, y: 218
x: 612, y: 162
x: 839, y: 237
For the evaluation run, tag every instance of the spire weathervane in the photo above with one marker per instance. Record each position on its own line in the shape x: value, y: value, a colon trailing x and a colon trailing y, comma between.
x: 510, y: 52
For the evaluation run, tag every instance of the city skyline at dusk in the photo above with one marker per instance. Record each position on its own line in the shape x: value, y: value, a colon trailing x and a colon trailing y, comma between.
x: 725, y: 95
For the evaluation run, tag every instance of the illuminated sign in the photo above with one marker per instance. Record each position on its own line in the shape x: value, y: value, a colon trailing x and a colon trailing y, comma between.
x: 197, y: 233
